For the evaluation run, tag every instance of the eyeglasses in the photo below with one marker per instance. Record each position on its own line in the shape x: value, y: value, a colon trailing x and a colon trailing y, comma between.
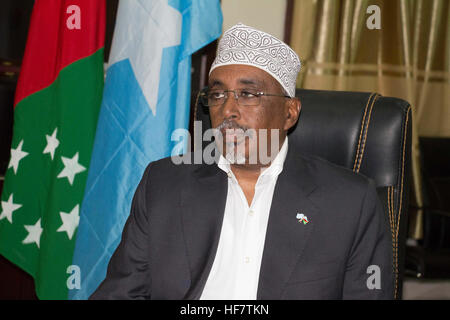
x: 245, y: 97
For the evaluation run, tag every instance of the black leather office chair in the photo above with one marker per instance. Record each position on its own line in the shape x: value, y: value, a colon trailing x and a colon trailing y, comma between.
x: 367, y: 133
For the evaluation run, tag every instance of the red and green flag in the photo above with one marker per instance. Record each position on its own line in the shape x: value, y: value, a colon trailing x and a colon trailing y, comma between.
x: 56, y: 107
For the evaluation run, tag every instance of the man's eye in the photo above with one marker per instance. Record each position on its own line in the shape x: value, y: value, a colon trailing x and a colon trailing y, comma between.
x: 216, y: 95
x: 248, y: 94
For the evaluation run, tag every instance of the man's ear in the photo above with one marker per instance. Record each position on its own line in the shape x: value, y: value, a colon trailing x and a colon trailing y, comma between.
x: 293, y: 107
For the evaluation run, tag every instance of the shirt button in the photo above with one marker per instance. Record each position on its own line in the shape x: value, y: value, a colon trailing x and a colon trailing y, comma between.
x: 251, y: 213
x: 247, y: 259
x: 229, y: 174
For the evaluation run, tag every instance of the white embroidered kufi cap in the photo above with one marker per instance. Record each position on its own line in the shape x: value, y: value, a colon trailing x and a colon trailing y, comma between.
x: 242, y: 44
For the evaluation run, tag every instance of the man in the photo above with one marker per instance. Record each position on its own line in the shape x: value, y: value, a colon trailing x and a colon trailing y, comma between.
x: 290, y: 227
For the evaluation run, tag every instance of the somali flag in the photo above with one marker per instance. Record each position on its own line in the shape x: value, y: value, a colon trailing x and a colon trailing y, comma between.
x: 146, y: 97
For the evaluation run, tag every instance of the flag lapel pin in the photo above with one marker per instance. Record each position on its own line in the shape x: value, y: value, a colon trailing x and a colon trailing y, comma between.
x: 302, y: 218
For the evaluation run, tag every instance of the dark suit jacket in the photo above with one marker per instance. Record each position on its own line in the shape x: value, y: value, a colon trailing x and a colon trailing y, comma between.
x: 170, y: 238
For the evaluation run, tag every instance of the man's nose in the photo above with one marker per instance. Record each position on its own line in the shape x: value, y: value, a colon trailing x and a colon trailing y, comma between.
x: 230, y: 107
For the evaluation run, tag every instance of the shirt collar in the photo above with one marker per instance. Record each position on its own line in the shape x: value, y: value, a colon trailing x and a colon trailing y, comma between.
x: 274, y: 169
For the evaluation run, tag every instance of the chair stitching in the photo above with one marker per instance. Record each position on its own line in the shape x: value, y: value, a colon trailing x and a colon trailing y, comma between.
x: 391, y: 218
x: 403, y: 165
x: 389, y: 210
x: 395, y: 245
x: 405, y: 132
x: 391, y: 225
x: 195, y: 115
x: 196, y: 106
x: 366, y: 131
x: 391, y: 222
x: 362, y: 128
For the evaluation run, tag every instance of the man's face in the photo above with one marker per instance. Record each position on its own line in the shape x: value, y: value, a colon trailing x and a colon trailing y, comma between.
x: 274, y: 114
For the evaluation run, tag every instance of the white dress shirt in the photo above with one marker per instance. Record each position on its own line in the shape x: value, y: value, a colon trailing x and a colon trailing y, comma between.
x: 235, y: 271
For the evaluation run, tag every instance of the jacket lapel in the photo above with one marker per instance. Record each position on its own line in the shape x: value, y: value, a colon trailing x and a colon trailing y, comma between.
x: 203, y: 205
x: 286, y: 237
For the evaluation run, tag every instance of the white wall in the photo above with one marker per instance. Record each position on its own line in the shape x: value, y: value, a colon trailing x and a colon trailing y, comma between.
x: 265, y: 15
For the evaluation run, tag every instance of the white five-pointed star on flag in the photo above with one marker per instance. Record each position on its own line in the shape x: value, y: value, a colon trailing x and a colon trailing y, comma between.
x: 52, y: 143
x: 17, y: 155
x: 8, y: 207
x: 34, y: 233
x: 71, y: 168
x: 144, y: 17
x: 70, y: 221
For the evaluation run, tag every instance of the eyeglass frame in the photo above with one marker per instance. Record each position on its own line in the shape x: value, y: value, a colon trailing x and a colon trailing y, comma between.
x: 259, y: 94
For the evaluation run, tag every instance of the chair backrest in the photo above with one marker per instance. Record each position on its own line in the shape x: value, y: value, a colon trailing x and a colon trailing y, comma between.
x: 367, y: 133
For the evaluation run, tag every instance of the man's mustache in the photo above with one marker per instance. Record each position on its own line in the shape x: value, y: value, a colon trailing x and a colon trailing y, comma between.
x: 230, y: 124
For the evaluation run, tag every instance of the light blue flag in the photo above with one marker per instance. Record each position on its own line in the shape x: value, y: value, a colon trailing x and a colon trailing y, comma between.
x: 146, y: 97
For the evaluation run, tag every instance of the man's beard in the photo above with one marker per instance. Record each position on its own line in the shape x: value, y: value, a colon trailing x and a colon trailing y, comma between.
x: 231, y: 140
x: 232, y: 136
